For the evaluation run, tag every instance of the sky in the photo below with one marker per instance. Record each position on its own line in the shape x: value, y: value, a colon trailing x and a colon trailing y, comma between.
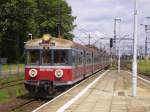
x: 97, y: 18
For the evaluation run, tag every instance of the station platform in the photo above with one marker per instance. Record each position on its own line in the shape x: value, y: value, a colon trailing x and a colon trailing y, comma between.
x: 104, y: 92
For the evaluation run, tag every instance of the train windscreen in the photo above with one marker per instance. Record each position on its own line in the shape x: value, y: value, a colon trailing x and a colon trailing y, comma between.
x: 33, y: 57
x: 61, y: 57
x: 49, y: 57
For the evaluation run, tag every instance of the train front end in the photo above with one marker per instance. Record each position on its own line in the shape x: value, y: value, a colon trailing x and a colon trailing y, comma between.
x: 48, y: 65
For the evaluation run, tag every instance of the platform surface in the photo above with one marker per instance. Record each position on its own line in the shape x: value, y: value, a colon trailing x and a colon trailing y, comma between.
x: 111, y: 93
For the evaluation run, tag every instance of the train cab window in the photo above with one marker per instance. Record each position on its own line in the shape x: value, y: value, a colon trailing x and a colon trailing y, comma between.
x: 61, y: 57
x: 46, y: 57
x: 33, y: 57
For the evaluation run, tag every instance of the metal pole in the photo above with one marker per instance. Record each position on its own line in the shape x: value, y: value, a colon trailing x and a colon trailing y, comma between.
x: 89, y: 40
x: 115, y: 37
x: 146, y: 47
x: 119, y: 58
x: 134, y: 64
x: 146, y: 41
x: 119, y: 49
x: 110, y: 55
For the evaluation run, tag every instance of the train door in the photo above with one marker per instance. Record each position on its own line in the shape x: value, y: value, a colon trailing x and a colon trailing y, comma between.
x: 80, y: 66
x: 75, y: 63
x: 86, y: 63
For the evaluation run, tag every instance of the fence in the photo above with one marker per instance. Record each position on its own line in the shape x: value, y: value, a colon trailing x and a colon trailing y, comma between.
x: 10, y: 69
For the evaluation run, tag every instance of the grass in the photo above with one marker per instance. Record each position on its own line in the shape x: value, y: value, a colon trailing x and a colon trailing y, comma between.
x: 4, y: 97
x: 144, y: 67
x: 19, y: 91
x: 7, y: 95
x: 11, y: 78
x: 113, y: 67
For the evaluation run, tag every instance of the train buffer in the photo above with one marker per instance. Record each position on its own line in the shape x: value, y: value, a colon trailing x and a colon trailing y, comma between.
x: 108, y: 92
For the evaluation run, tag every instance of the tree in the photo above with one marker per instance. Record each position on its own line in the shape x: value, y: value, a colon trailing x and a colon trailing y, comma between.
x: 13, y: 24
x: 19, y: 17
x: 52, y: 13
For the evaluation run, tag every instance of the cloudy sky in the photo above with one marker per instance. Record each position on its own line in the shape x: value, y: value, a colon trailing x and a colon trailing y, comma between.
x: 97, y: 17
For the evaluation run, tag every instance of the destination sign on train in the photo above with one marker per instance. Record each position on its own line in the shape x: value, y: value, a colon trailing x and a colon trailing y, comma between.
x: 47, y: 44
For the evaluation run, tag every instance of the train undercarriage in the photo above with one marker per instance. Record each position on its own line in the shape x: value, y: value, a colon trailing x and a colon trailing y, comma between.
x: 42, y: 88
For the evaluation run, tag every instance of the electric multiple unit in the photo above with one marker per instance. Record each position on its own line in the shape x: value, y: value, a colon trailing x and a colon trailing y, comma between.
x: 56, y: 62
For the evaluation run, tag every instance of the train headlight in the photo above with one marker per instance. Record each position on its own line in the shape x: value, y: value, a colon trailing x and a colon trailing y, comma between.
x: 59, y: 73
x: 46, y: 37
x: 33, y: 73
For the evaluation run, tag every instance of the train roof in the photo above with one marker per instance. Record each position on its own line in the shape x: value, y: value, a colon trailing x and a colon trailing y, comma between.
x: 55, y: 43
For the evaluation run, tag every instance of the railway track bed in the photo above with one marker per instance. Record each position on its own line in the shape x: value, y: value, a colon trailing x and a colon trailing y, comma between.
x: 27, y: 103
x: 6, y: 85
x: 31, y: 103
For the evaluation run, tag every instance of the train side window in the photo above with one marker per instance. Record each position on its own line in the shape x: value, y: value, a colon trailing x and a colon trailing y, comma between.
x: 80, y: 57
x: 46, y: 57
x: 74, y: 57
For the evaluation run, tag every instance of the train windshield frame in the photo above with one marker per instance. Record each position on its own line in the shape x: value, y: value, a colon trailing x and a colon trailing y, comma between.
x: 49, y: 57
x: 46, y: 57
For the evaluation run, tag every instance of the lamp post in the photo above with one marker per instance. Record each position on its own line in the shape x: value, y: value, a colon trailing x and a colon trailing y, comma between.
x: 134, y: 63
x: 119, y: 55
x: 115, y: 37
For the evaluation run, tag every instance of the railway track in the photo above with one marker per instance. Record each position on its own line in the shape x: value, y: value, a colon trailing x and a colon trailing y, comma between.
x: 23, y: 104
x: 28, y: 105
x: 2, y: 83
x: 32, y: 103
x: 10, y: 84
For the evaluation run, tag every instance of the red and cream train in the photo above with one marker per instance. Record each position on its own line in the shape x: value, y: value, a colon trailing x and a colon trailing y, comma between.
x: 56, y: 62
